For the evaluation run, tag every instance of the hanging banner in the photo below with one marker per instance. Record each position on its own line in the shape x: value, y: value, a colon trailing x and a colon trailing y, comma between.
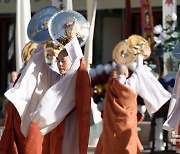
x: 23, y: 16
x: 147, y: 20
x: 170, y: 66
x: 169, y: 7
x: 91, y: 15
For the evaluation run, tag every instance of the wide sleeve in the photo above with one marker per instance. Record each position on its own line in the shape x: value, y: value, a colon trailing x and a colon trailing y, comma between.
x: 74, y: 50
x: 121, y: 79
x: 150, y: 89
x: 34, y: 76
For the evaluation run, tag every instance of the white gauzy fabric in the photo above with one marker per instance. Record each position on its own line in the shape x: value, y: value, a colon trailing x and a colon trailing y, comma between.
x: 144, y: 83
x: 151, y: 90
x: 121, y: 78
x: 71, y: 137
x: 173, y: 118
x: 43, y: 95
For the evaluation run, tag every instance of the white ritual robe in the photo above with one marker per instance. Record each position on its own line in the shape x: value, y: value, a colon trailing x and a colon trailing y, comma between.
x: 173, y: 118
x: 144, y: 83
x: 43, y: 95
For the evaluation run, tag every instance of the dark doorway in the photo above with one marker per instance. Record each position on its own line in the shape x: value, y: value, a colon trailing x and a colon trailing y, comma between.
x: 7, y: 56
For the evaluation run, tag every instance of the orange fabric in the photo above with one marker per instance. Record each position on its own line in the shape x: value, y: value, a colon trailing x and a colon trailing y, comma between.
x: 52, y: 143
x: 13, y: 141
x: 5, y: 114
x: 7, y: 102
x: 7, y: 144
x: 119, y: 134
x: 83, y: 106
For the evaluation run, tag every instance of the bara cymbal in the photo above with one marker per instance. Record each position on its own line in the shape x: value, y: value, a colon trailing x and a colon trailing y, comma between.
x: 121, y: 54
x: 37, y: 30
x: 138, y: 45
x: 27, y: 50
x: 63, y: 23
x: 176, y: 51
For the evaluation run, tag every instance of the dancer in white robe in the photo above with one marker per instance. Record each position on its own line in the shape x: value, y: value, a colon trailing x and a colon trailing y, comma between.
x: 44, y: 96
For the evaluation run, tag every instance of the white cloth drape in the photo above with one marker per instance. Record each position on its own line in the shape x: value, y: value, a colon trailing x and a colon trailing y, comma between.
x: 168, y: 9
x: 23, y: 16
x: 173, y: 118
x: 144, y: 83
x: 91, y: 15
x: 150, y: 89
x: 41, y: 94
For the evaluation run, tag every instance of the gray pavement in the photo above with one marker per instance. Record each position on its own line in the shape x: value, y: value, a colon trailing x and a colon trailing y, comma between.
x: 143, y: 132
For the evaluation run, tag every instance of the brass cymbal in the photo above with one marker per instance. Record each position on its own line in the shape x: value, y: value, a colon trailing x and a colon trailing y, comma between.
x: 37, y: 29
x: 121, y: 54
x: 27, y: 50
x: 63, y: 23
x: 138, y: 45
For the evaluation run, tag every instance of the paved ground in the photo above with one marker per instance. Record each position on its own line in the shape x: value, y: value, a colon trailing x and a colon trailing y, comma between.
x: 157, y: 152
x: 91, y: 151
x: 143, y: 133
